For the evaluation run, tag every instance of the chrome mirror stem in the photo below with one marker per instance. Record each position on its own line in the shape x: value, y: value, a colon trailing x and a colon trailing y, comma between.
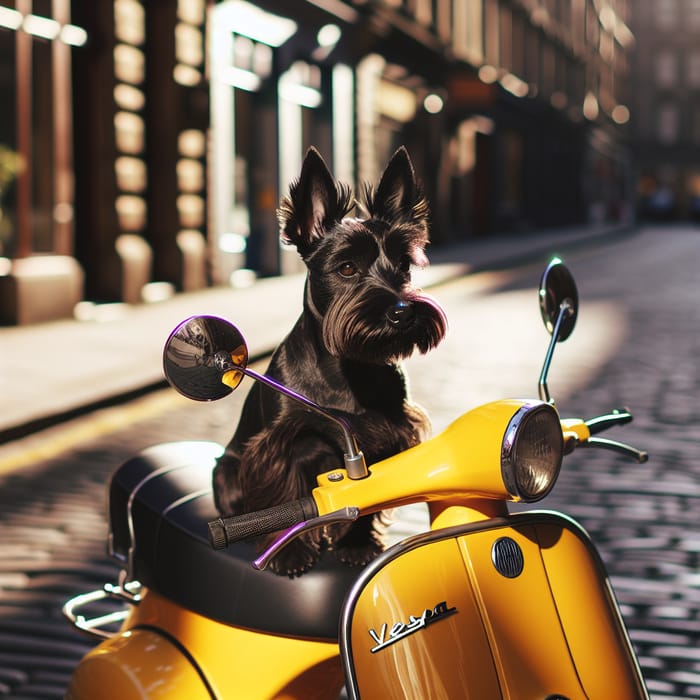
x: 355, y: 463
x: 566, y: 309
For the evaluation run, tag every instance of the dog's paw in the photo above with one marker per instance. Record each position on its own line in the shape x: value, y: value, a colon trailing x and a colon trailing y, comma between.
x: 358, y: 555
x: 295, y: 559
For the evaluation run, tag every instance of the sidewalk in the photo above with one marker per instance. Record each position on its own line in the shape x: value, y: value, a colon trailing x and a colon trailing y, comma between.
x: 55, y: 369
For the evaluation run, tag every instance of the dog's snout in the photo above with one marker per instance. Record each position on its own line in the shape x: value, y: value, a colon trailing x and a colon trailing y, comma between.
x: 401, y: 315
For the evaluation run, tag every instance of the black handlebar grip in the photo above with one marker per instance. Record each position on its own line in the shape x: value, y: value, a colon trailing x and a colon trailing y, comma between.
x: 224, y: 531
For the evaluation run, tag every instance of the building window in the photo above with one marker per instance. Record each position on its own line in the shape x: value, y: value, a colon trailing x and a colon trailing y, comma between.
x: 532, y: 43
x: 665, y: 14
x: 693, y: 14
x: 423, y: 12
x: 505, y: 31
x: 547, y: 68
x: 467, y: 30
x: 518, y: 40
x: 666, y: 69
x: 693, y: 69
x: 668, y: 123
x: 592, y: 28
x: 129, y: 126
x: 36, y: 169
x: 695, y: 131
x: 492, y: 32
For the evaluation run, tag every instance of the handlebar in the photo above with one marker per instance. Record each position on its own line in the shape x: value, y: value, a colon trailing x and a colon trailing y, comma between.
x: 620, y: 447
x: 225, y: 531
x: 619, y: 416
x: 293, y: 518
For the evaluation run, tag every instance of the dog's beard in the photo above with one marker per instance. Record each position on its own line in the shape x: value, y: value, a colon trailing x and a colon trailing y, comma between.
x: 356, y: 326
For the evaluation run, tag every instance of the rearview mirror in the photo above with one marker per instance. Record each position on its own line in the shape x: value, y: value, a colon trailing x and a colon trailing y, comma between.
x: 558, y: 300
x: 559, y: 308
x: 192, y: 358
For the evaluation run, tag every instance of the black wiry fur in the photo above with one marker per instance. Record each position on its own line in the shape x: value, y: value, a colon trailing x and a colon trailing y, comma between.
x: 361, y: 316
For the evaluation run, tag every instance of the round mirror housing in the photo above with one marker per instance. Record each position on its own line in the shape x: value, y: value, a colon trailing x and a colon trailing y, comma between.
x: 558, y: 290
x: 200, y: 357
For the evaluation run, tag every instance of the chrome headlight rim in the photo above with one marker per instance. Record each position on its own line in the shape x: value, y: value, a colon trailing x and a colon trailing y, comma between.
x: 518, y: 430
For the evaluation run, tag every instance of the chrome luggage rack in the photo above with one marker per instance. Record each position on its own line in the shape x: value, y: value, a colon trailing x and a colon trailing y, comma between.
x: 127, y: 590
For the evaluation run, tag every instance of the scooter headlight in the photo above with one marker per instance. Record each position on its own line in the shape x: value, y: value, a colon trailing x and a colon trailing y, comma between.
x: 531, y: 452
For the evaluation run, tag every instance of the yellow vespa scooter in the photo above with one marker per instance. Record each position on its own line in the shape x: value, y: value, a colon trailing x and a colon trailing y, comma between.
x: 486, y: 605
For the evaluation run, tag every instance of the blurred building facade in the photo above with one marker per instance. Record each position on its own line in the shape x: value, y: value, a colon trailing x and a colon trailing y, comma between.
x: 150, y: 141
x: 665, y: 122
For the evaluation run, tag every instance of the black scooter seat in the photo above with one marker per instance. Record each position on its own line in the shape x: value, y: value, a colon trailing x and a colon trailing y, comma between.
x: 160, y: 504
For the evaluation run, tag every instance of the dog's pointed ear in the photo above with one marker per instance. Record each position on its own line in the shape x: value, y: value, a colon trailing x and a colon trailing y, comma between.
x: 397, y: 184
x: 315, y: 202
x: 398, y: 195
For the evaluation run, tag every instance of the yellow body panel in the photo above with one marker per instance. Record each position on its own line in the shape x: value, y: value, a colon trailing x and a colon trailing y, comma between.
x: 133, y: 665
x: 529, y: 649
x: 234, y: 662
x: 448, y: 658
x: 461, y: 463
x: 554, y: 629
x: 589, y: 614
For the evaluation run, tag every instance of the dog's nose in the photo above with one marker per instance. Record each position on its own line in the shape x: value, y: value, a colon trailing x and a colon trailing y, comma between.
x: 401, y: 315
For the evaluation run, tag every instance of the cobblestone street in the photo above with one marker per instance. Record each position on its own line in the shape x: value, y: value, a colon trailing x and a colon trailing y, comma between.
x: 636, y: 344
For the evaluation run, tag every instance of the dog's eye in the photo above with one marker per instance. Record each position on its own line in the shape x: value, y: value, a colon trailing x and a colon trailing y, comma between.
x: 347, y: 269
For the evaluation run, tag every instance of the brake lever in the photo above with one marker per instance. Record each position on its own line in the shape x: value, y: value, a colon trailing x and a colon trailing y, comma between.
x: 639, y: 455
x: 619, y: 416
x: 344, y: 515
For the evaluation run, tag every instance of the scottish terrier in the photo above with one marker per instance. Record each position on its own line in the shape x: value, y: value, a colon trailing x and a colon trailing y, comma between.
x: 360, y: 318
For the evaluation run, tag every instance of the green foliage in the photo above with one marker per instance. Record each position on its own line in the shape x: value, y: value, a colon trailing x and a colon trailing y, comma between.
x: 11, y: 165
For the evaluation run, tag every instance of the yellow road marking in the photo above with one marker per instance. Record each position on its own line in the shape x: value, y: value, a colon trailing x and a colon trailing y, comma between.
x: 53, y: 441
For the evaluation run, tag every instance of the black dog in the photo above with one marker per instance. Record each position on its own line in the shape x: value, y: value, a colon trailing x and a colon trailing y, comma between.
x: 361, y: 316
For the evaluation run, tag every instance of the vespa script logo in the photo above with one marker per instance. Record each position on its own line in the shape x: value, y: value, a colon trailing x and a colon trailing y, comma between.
x: 387, y: 636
